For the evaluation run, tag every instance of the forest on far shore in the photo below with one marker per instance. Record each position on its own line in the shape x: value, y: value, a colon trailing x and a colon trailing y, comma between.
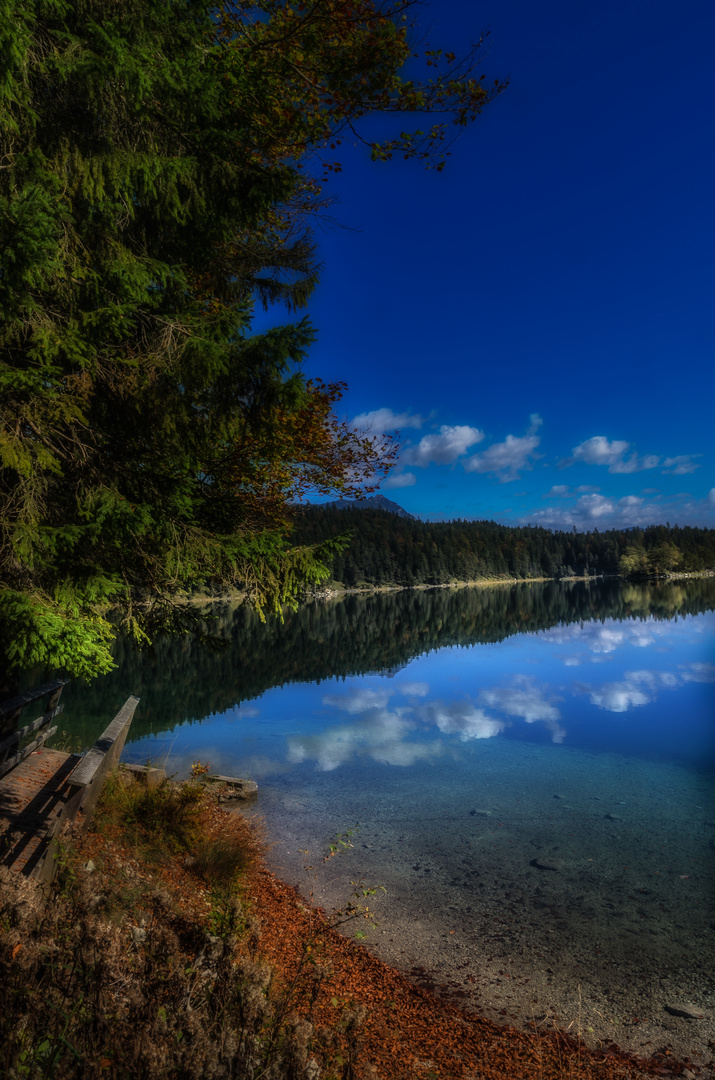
x: 388, y: 549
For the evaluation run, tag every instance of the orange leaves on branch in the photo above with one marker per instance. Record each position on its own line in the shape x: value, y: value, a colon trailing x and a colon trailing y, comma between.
x: 290, y: 453
x: 305, y: 74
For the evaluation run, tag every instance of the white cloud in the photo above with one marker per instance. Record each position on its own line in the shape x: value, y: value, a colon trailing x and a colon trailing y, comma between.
x: 398, y: 480
x: 444, y: 447
x: 381, y: 420
x: 558, y: 491
x: 635, y: 464
x: 630, y: 500
x: 599, y: 511
x: 508, y: 458
x: 680, y: 465
x: 599, y: 451
x: 595, y: 506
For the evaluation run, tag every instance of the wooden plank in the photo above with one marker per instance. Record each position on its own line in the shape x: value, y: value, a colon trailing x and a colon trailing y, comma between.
x: 88, y: 776
x: 11, y: 711
x: 15, y: 704
x: 15, y: 759
x: 84, y: 773
x: 17, y: 736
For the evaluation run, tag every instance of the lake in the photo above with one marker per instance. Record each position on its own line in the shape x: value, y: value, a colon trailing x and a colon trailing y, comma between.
x: 527, y: 770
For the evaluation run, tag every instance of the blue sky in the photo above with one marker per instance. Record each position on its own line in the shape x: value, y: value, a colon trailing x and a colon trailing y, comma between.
x: 538, y: 319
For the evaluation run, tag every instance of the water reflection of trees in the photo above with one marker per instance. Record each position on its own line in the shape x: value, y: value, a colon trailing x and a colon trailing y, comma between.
x: 357, y: 634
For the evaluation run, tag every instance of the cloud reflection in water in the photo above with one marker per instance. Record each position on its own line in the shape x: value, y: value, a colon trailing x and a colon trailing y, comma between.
x: 400, y: 735
x: 377, y: 734
x: 525, y: 700
x: 462, y: 719
x: 641, y: 687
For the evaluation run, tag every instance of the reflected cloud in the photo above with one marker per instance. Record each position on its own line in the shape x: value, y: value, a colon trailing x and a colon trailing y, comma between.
x: 704, y: 673
x: 601, y: 639
x: 404, y: 754
x: 359, y: 700
x: 377, y: 734
x: 462, y: 719
x: 414, y: 689
x: 525, y: 700
x: 399, y: 735
x: 605, y: 640
x: 620, y: 697
x: 634, y: 689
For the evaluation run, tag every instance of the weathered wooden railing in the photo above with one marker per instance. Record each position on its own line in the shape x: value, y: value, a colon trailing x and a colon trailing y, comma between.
x: 11, y: 734
x: 85, y: 785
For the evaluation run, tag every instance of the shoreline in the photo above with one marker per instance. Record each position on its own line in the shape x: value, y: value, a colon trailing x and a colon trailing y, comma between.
x: 328, y: 593
x: 408, y: 1024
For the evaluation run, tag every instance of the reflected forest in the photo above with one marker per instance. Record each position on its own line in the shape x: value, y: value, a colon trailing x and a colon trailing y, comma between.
x: 181, y: 682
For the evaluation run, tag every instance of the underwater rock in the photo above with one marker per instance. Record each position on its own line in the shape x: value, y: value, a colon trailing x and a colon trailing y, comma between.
x: 686, y: 1008
x: 543, y: 863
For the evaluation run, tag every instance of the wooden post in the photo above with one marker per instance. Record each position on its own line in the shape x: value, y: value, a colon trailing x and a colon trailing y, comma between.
x: 85, y: 784
x: 90, y: 773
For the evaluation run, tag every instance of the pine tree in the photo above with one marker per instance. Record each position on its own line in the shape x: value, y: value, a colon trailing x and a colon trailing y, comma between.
x: 152, y: 190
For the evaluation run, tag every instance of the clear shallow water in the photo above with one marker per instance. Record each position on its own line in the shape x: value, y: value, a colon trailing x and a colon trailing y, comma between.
x: 539, y: 803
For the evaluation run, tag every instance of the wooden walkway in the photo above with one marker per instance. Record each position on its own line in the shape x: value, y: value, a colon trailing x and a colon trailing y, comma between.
x: 42, y: 791
x: 32, y: 799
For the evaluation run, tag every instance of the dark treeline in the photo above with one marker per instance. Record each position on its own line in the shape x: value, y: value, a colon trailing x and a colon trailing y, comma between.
x: 353, y: 635
x: 389, y: 550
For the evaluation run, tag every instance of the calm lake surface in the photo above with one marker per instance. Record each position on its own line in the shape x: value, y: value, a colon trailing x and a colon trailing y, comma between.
x: 530, y: 770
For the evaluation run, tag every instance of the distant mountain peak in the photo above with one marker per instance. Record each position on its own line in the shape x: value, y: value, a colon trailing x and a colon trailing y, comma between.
x: 374, y: 502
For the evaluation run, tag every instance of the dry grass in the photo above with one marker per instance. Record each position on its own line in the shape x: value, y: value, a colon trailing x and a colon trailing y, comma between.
x: 135, y: 966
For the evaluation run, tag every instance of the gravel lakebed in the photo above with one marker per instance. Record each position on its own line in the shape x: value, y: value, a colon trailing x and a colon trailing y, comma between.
x: 570, y: 891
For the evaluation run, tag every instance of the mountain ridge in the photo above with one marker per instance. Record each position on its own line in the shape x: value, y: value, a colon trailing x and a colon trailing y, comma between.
x: 374, y: 502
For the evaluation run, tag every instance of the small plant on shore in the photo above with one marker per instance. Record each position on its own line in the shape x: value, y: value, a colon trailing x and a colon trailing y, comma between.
x: 358, y: 906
